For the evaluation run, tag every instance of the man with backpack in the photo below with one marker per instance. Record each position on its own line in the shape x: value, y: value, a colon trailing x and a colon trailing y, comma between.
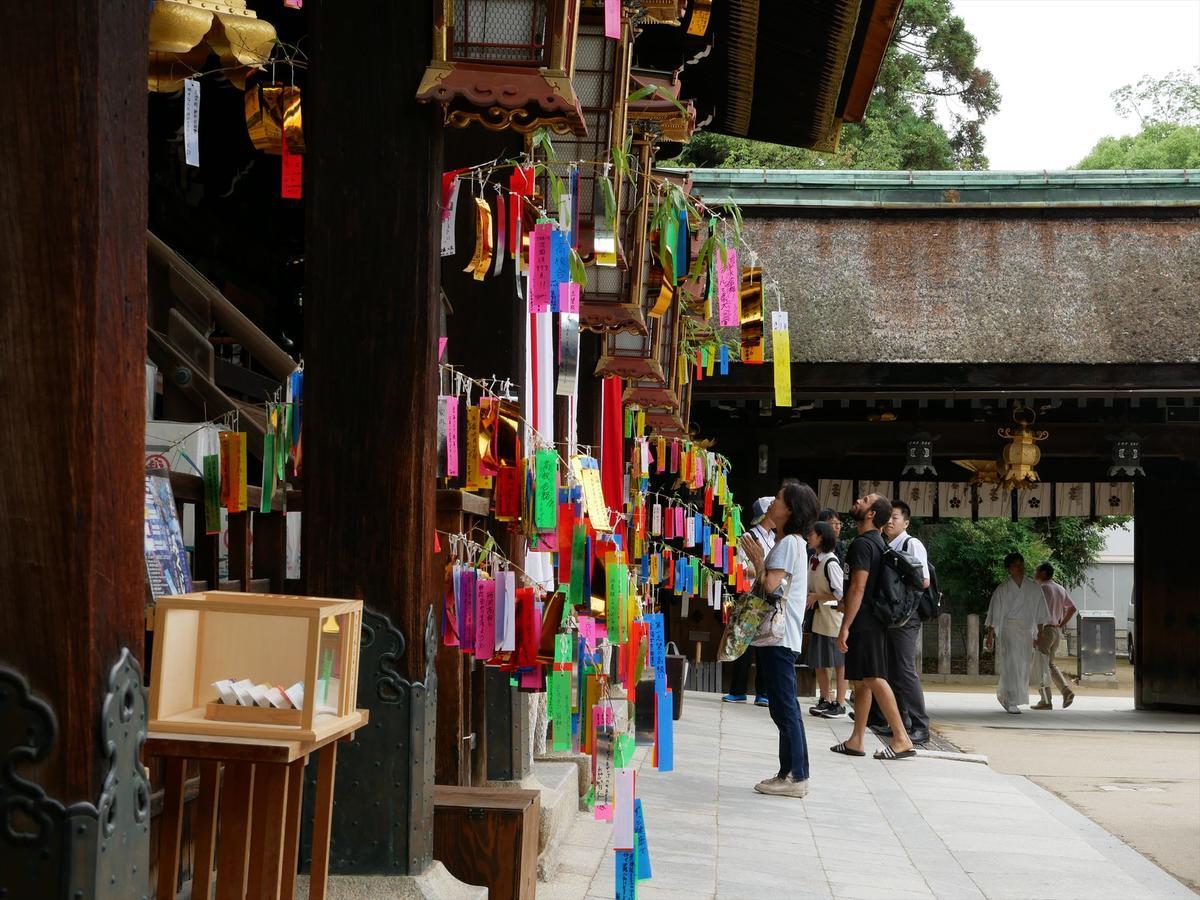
x: 874, y: 600
x: 903, y: 676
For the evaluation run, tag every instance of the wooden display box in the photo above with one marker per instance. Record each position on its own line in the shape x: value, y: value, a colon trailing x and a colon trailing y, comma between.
x: 273, y: 639
x: 488, y: 837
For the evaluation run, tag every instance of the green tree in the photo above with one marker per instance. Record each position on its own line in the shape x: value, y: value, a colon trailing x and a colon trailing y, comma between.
x: 1169, y: 111
x: 1159, y: 145
x: 931, y: 61
x: 969, y: 556
x: 1174, y: 98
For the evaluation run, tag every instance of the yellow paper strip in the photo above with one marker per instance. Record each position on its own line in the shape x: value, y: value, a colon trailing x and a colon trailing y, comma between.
x: 781, y: 350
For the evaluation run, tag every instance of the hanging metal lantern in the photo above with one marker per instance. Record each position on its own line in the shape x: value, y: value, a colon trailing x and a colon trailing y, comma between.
x: 920, y: 454
x: 1126, y: 454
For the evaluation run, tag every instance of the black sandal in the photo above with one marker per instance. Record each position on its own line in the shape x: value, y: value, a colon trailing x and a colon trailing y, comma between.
x: 846, y: 751
x: 888, y: 753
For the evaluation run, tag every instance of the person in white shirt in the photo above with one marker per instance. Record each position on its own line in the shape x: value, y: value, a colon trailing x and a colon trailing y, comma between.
x: 792, y: 515
x: 739, y: 669
x: 903, y: 676
x: 1061, y: 609
x: 825, y: 584
x: 1017, y: 608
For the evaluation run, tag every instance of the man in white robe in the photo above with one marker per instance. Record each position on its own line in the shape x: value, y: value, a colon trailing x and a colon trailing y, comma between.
x: 1017, y: 608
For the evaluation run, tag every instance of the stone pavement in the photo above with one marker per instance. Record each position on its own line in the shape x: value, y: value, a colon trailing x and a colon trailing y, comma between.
x: 920, y: 828
x: 1091, y: 713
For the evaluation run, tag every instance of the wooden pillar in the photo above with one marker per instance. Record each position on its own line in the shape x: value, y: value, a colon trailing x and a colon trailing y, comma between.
x: 1167, y: 604
x: 944, y: 644
x: 372, y: 177
x: 972, y: 644
x: 372, y: 188
x: 73, y: 189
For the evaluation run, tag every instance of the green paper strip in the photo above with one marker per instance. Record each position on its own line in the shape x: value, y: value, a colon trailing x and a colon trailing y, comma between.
x: 623, y: 753
x: 268, y: 478
x: 281, y: 443
x: 545, y: 510
x: 212, y: 494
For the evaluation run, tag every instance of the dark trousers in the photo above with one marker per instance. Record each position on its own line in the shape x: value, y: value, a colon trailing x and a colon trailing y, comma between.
x: 740, y: 674
x: 778, y: 665
x: 903, y: 679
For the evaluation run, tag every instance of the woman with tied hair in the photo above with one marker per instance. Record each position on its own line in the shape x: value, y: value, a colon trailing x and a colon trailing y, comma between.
x: 791, y: 516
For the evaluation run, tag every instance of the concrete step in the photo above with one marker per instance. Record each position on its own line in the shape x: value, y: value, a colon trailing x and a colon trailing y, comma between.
x: 559, y: 784
x: 435, y: 883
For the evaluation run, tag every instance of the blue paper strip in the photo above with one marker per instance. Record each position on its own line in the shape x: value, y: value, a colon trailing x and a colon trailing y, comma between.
x: 640, y: 844
x: 724, y: 360
x: 666, y: 727
x: 626, y: 875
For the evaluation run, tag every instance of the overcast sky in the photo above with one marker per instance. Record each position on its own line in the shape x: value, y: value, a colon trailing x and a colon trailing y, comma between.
x: 1057, y: 61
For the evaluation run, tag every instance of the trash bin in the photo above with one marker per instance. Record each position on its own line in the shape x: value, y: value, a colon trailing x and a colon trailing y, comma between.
x: 677, y: 672
x: 1097, y: 643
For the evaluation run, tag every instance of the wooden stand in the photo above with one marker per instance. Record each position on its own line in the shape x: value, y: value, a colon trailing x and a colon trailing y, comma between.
x: 251, y: 792
x: 488, y: 837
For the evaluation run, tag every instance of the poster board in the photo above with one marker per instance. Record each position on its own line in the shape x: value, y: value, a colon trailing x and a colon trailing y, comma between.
x: 167, y: 569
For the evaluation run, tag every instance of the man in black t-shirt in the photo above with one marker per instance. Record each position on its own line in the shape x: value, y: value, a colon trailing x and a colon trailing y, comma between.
x: 863, y: 637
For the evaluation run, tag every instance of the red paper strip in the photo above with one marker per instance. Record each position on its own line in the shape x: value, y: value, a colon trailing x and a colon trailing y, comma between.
x: 291, y: 173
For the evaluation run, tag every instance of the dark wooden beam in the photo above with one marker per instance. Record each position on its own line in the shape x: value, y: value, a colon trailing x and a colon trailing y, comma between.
x: 957, y: 380
x: 72, y: 323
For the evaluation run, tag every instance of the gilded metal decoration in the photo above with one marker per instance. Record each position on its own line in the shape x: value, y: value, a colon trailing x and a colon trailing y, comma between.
x: 184, y: 32
x: 920, y: 454
x: 1015, y: 467
x: 752, y: 316
x: 273, y: 110
x: 81, y: 851
x: 383, y: 818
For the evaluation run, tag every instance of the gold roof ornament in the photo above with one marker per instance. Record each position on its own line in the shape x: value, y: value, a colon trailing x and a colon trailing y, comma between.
x: 184, y: 32
x: 1015, y: 467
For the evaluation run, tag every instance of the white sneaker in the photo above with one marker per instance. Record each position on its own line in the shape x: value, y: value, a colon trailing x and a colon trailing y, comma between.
x: 783, y: 787
x: 1013, y: 710
x: 774, y: 779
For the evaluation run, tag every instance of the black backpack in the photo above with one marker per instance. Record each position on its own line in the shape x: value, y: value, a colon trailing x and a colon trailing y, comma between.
x: 898, y: 589
x: 930, y: 605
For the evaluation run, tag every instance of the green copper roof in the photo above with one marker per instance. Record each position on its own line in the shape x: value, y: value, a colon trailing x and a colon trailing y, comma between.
x: 942, y: 190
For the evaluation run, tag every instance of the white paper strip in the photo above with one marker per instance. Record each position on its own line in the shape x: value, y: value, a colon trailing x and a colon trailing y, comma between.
x: 191, y: 121
x: 954, y: 499
x: 623, y: 812
x: 919, y: 496
x: 1072, y: 498
x: 1033, y: 502
x: 835, y: 494
x: 448, y: 220
x: 1114, y: 498
x: 994, y: 502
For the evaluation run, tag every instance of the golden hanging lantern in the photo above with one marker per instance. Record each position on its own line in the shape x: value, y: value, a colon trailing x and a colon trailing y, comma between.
x: 1015, y: 467
x: 184, y: 32
x: 1020, y: 456
x: 273, y: 110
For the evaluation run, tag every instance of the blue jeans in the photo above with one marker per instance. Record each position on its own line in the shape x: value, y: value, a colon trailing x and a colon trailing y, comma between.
x: 779, y: 668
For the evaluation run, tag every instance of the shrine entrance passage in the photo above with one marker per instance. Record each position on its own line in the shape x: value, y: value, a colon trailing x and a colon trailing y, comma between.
x: 932, y: 302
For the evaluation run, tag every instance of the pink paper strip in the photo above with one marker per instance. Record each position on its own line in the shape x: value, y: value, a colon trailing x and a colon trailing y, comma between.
x: 612, y: 19
x: 587, y: 631
x: 485, y: 619
x: 568, y: 297
x: 452, y: 436
x: 727, y: 289
x: 539, y: 268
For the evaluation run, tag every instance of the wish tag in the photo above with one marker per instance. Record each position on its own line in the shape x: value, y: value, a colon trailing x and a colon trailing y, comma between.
x: 191, y: 122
